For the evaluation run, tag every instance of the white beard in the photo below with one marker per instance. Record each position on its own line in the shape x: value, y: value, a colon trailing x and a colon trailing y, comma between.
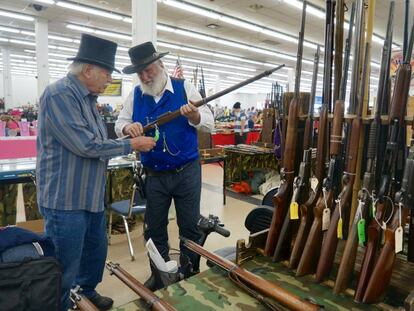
x: 157, y: 86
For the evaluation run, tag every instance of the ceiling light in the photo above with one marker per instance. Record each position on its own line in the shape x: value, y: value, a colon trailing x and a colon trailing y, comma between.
x: 16, y: 15
x: 21, y: 56
x: 85, y: 9
x: 309, y: 9
x: 113, y: 35
x: 80, y: 28
x: 7, y: 29
x: 28, y: 33
x: 59, y: 38
x: 241, y: 23
x: 45, y: 1
x: 192, y: 9
x: 22, y: 42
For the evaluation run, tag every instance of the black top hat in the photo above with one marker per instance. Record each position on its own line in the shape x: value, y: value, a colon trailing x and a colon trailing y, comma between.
x: 141, y: 56
x: 236, y: 105
x: 97, y: 51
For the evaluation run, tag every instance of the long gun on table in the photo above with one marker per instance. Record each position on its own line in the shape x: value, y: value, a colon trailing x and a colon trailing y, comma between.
x: 82, y: 303
x: 148, y: 296
x: 307, y: 262
x: 381, y: 273
x: 339, y: 219
x: 253, y: 283
x: 358, y: 231
x: 168, y: 116
x: 301, y: 182
x: 282, y: 198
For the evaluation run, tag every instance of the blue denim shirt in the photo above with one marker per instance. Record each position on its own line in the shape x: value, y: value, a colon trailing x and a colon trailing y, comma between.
x: 72, y: 148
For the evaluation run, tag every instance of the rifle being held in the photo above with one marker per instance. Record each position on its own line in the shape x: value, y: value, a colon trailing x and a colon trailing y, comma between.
x: 282, y: 198
x: 80, y: 301
x: 154, y: 302
x: 253, y: 283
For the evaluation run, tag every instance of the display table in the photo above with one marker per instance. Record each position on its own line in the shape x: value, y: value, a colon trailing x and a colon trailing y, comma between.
x: 223, y: 139
x: 17, y: 147
x: 212, y: 290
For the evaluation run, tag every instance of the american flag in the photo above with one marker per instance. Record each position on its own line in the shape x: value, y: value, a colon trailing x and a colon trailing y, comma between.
x: 178, y: 70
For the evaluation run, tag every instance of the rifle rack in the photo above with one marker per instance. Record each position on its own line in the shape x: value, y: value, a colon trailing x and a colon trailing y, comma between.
x: 365, y: 120
x: 401, y: 285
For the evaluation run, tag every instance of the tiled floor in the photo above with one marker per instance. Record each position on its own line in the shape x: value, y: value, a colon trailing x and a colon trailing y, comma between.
x: 232, y: 215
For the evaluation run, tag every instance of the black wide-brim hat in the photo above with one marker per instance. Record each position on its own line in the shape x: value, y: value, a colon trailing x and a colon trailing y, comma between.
x: 96, y: 51
x: 141, y: 56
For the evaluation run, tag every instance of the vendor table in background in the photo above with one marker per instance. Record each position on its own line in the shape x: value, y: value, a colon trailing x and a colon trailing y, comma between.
x: 17, y: 147
x: 223, y: 139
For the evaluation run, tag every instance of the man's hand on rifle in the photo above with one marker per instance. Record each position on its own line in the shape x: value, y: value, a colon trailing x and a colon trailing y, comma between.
x: 133, y: 129
x: 191, y: 112
x: 142, y: 143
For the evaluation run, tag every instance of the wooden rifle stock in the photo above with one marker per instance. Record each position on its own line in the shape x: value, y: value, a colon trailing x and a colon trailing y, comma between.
x: 82, y: 303
x: 374, y: 234
x: 381, y: 275
x: 148, y: 296
x: 253, y: 281
x: 167, y: 117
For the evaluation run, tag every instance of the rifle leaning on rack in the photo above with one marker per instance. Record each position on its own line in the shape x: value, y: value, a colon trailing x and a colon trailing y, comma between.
x: 382, y: 271
x: 311, y: 248
x: 282, y: 198
x: 301, y: 182
x: 153, y: 301
x: 357, y: 232
x: 253, y: 284
x: 80, y: 301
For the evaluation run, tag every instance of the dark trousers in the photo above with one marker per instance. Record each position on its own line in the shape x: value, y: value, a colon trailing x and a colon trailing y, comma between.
x: 184, y: 188
x: 240, y: 139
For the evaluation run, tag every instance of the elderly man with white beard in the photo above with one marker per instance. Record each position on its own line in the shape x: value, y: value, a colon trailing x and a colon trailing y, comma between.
x: 172, y: 167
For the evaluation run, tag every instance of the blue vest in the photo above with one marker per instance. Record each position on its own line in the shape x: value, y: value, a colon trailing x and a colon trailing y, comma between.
x: 177, y: 143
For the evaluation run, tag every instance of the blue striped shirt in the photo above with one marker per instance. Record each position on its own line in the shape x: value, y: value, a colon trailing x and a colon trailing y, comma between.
x: 72, y: 148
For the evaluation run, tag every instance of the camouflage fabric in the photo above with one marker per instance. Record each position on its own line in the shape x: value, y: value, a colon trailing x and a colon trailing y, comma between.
x: 8, y: 196
x: 238, y: 163
x: 30, y: 202
x: 212, y: 290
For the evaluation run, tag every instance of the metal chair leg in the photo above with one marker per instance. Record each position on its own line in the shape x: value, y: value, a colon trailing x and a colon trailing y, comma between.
x: 110, y: 228
x: 131, y: 250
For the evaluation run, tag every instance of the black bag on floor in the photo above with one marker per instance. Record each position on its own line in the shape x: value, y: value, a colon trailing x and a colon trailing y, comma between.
x: 30, y: 285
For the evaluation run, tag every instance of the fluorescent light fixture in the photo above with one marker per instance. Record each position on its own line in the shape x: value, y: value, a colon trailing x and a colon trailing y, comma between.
x: 113, y: 35
x: 89, y: 10
x: 127, y: 20
x: 59, y: 38
x: 21, y: 56
x: 192, y: 9
x: 28, y: 33
x: 23, y: 42
x: 16, y: 15
x: 7, y: 29
x: 309, y: 9
x: 80, y: 28
x: 241, y: 23
x: 45, y: 1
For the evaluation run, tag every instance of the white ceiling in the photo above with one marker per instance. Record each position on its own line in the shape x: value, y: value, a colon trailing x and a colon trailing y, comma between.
x: 273, y: 14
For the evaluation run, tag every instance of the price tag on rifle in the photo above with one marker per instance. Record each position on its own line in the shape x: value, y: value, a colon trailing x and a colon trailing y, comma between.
x: 339, y: 229
x: 398, y: 240
x: 326, y: 219
x: 361, y: 231
x: 294, y: 210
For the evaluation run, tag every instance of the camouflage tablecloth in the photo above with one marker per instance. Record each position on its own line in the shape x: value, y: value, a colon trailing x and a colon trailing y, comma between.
x: 212, y: 290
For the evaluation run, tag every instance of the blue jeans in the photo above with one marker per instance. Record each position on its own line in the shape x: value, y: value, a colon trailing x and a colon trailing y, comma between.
x: 185, y: 189
x: 81, y: 247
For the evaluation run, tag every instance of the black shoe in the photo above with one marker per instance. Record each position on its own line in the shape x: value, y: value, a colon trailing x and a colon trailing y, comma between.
x: 153, y: 283
x: 101, y: 302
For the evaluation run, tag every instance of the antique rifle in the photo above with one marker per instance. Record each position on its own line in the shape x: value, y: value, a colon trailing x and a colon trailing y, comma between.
x: 339, y: 41
x: 253, y: 283
x: 82, y: 303
x: 282, y: 198
x: 301, y: 182
x: 311, y: 248
x: 154, y: 302
x: 384, y: 264
x: 339, y: 219
x: 171, y: 115
x: 373, y: 160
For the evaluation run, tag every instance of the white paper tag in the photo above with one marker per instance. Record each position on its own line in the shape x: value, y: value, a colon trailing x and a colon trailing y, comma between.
x: 398, y: 240
x: 314, y: 183
x: 384, y: 225
x: 326, y: 219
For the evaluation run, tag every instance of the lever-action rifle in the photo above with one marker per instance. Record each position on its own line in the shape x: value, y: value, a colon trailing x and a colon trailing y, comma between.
x: 80, y: 301
x: 282, y: 198
x: 170, y: 115
x: 339, y: 219
x: 301, y: 182
x: 154, y: 302
x: 310, y: 255
x: 253, y: 283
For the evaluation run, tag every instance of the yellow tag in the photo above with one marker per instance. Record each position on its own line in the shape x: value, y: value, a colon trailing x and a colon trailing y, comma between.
x: 339, y: 231
x: 294, y: 210
x: 398, y: 240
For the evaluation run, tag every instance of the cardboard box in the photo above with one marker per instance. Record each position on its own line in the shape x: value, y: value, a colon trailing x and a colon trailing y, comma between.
x: 37, y: 226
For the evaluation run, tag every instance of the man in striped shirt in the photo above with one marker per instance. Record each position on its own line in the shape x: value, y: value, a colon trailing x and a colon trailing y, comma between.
x: 72, y: 156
